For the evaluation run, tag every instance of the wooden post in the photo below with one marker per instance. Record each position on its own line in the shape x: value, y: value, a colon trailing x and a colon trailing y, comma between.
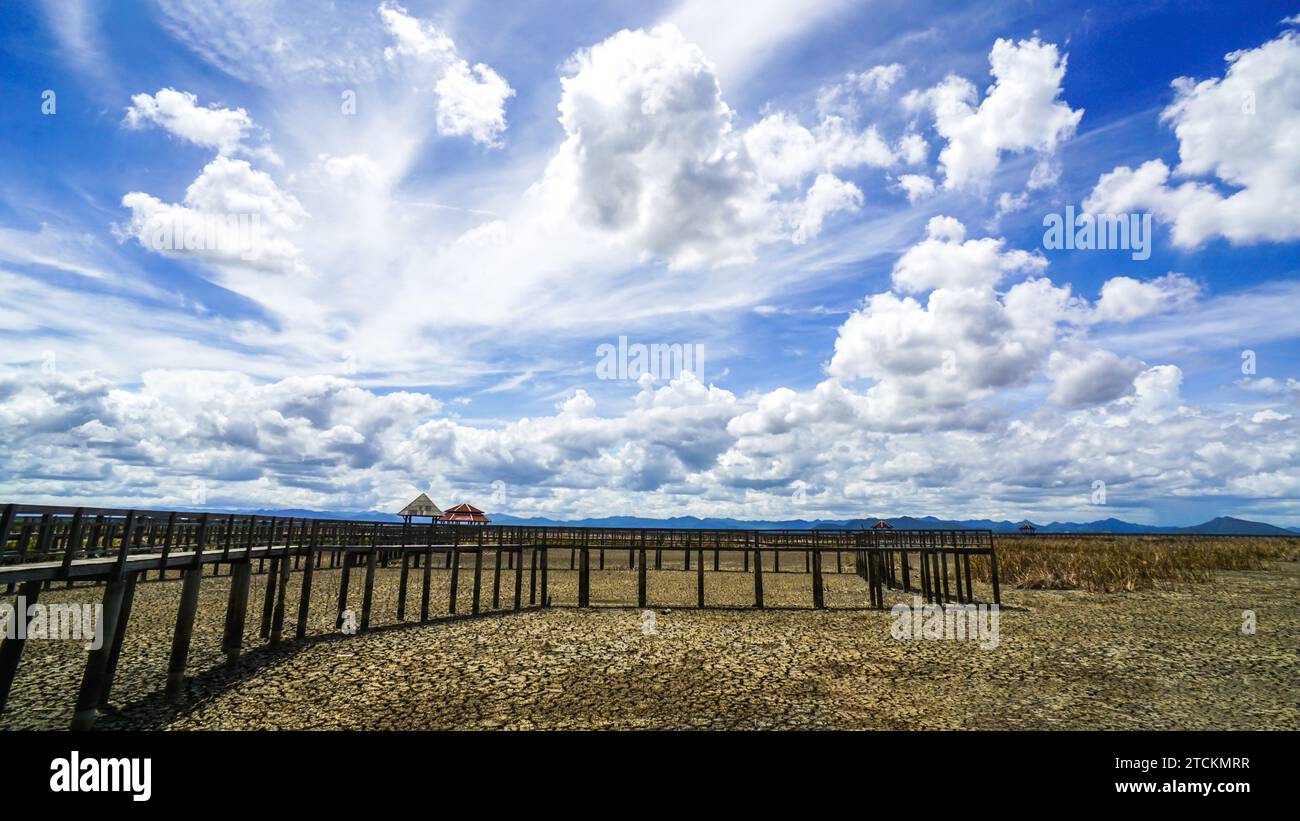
x: 6, y: 524
x: 454, y: 560
x: 69, y: 548
x: 281, y: 569
x: 93, y: 681
x: 532, y: 574
x: 758, y: 573
x: 924, y: 562
x: 519, y: 573
x: 345, y: 579
x: 225, y: 544
x: 401, y: 584
x: 869, y: 559
x: 272, y: 580
x: 368, y: 597
x: 119, y: 636
x: 545, y: 562
x: 819, y: 601
x: 640, y: 574
x: 304, y: 602
x: 993, y: 576
x: 427, y: 579
x: 167, y: 546
x: 584, y: 575
x: 191, y: 577
x: 478, y: 573
x: 956, y: 577
x: 496, y: 580
x: 970, y: 596
x: 236, y: 609
x: 699, y: 574
x: 12, y: 649
x: 943, y: 572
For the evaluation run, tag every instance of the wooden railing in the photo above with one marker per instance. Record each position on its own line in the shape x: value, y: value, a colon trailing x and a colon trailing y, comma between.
x: 43, y: 546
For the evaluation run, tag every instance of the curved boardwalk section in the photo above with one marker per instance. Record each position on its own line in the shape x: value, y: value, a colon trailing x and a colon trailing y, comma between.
x: 182, y: 593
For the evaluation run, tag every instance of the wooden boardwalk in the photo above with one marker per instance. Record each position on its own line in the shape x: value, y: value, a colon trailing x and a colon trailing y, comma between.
x: 42, y: 546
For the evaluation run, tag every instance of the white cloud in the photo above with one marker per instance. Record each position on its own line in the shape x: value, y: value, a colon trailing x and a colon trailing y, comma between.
x: 233, y: 216
x: 1271, y: 387
x: 1236, y: 130
x: 827, y: 195
x: 957, y: 348
x: 946, y: 259
x: 75, y: 25
x: 1084, y: 378
x: 221, y: 129
x: 681, y: 448
x: 471, y: 100
x: 785, y: 152
x: 1124, y: 299
x: 654, y: 161
x: 878, y: 78
x: 1009, y: 203
x: 651, y: 153
x: 858, y: 89
x: 916, y: 186
x: 1020, y: 112
x: 739, y: 44
x: 1156, y: 393
x: 932, y: 360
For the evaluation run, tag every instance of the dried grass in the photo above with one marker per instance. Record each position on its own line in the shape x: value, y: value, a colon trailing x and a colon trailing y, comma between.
x: 1128, y: 563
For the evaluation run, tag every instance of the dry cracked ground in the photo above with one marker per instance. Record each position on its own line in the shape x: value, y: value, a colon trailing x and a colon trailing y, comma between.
x: 1161, y: 660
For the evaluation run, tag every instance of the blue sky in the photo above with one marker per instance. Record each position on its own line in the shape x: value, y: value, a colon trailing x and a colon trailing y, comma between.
x: 449, y: 207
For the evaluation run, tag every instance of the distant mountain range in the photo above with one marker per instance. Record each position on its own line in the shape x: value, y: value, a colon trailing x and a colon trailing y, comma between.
x: 1223, y: 525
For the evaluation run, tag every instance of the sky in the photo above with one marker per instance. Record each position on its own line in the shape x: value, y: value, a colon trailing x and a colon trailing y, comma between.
x: 573, y: 259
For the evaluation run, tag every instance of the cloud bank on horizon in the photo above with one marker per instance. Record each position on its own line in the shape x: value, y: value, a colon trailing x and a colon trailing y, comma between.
x: 251, y: 257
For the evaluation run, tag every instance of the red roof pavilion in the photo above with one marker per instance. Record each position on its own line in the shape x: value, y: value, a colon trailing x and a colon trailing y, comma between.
x: 464, y: 514
x: 882, y: 525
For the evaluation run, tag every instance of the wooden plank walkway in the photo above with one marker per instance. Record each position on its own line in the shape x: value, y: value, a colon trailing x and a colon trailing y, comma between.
x: 117, y: 549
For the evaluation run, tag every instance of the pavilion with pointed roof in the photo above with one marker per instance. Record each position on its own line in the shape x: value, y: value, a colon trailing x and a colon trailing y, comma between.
x: 882, y: 525
x: 464, y: 514
x: 421, y: 506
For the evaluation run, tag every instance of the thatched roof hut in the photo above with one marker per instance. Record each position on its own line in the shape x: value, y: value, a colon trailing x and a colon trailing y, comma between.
x: 420, y: 506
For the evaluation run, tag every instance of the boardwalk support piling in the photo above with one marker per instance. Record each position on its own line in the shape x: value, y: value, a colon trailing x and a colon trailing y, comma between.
x: 236, y: 609
x: 119, y: 636
x: 12, y: 649
x: 304, y: 602
x: 369, y: 596
x: 819, y: 601
x: 94, y: 680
